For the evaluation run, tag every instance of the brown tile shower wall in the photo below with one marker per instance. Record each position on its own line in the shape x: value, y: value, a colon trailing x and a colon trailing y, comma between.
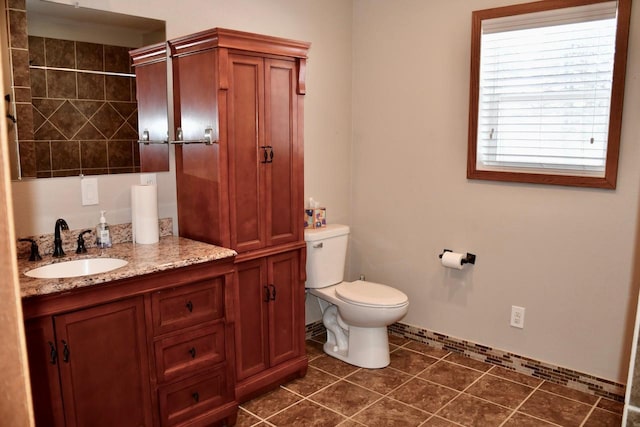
x: 75, y: 104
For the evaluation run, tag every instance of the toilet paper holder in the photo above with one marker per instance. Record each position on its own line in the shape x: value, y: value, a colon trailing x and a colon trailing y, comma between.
x: 469, y: 259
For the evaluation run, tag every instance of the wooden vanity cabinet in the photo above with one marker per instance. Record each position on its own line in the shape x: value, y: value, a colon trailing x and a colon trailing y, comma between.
x: 150, y: 65
x: 269, y: 329
x: 95, y: 361
x: 246, y: 191
x: 150, y: 351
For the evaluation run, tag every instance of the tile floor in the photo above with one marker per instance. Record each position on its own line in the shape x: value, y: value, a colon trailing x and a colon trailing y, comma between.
x: 423, y: 386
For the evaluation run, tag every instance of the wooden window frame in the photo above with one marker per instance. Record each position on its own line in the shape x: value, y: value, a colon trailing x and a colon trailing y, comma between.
x: 617, y: 96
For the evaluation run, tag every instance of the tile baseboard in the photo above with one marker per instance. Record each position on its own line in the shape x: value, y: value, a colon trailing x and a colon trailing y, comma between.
x: 555, y: 374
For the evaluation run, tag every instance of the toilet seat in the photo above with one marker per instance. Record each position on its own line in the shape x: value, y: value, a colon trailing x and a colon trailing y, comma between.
x: 369, y: 294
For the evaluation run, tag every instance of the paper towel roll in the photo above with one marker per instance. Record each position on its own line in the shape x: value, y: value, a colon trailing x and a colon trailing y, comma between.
x: 452, y: 260
x: 144, y: 214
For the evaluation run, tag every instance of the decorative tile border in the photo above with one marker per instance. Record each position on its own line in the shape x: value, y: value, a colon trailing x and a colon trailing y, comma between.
x: 314, y: 329
x: 524, y: 365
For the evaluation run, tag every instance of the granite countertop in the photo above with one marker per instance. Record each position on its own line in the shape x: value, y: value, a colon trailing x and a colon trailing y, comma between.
x: 169, y: 253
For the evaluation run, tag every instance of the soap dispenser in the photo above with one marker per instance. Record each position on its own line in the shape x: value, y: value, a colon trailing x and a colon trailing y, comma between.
x: 103, y: 236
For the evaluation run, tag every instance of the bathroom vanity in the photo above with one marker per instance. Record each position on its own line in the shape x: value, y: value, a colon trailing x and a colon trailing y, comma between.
x: 187, y: 330
x: 237, y: 103
x: 150, y: 343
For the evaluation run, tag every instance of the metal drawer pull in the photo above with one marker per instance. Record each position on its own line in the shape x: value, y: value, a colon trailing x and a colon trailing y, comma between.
x: 318, y: 245
x: 192, y: 352
x: 53, y: 353
x: 65, y: 352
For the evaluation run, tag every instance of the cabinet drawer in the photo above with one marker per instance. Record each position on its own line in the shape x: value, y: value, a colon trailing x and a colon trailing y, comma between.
x: 187, y: 399
x: 187, y: 306
x: 188, y: 352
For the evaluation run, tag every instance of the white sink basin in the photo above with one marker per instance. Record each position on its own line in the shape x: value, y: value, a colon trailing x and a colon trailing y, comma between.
x: 75, y: 268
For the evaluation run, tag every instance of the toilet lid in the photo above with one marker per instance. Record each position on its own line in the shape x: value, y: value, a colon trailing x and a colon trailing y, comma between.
x: 370, y: 294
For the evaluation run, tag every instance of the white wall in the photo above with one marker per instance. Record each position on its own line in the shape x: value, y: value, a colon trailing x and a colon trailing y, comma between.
x: 565, y: 254
x: 326, y: 24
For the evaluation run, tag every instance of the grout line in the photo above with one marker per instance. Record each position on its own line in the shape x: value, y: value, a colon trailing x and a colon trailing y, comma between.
x: 348, y: 378
x: 591, y: 411
x: 515, y: 410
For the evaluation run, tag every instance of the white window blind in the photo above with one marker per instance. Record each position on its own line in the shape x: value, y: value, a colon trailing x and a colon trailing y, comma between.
x: 545, y: 90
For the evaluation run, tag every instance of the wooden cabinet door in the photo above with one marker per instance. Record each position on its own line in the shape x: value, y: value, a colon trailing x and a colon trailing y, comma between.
x: 151, y: 93
x: 270, y: 318
x: 43, y: 371
x: 285, y: 312
x: 104, y: 366
x: 251, y: 328
x: 265, y: 163
x: 246, y: 137
x: 283, y: 203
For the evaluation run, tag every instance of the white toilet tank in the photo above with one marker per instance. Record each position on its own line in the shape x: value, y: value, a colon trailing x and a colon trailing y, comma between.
x: 326, y: 255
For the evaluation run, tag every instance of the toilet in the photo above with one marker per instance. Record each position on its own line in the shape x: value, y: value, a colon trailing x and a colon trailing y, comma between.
x: 356, y: 314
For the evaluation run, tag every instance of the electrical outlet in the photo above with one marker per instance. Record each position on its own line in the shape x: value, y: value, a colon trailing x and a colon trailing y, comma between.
x: 517, y: 316
x: 148, y: 179
x: 89, y: 187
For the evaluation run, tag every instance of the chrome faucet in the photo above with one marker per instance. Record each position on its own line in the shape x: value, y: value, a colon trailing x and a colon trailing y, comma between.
x: 61, y: 224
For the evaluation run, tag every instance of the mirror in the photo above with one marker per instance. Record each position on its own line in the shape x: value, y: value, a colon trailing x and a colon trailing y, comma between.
x: 73, y: 95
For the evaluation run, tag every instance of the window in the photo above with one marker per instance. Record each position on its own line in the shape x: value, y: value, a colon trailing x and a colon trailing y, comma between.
x: 547, y: 85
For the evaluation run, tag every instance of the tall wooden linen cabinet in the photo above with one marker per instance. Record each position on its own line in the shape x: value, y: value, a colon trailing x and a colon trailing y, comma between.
x: 244, y: 92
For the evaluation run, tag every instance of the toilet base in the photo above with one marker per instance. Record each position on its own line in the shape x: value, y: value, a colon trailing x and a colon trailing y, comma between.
x: 368, y: 348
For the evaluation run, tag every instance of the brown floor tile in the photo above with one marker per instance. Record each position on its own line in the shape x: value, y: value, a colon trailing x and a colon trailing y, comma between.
x: 381, y: 380
x: 611, y: 405
x: 312, y: 382
x: 569, y: 392
x: 450, y: 375
x: 424, y: 395
x: 396, y: 340
x: 304, y: 414
x: 468, y: 362
x: 500, y: 391
x: 270, y: 403
x: 245, y: 419
x: 515, y: 376
x: 602, y: 418
x: 345, y: 397
x: 436, y: 421
x: 521, y: 420
x: 489, y: 392
x: 350, y: 423
x: 314, y: 349
x: 429, y: 350
x: 333, y: 366
x: 410, y: 361
x: 554, y: 408
x: 471, y: 411
x: 390, y: 413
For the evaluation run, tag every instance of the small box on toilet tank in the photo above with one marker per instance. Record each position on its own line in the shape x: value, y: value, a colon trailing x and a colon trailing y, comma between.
x: 315, y: 217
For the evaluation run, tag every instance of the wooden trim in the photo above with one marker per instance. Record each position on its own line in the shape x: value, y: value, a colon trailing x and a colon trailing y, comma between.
x: 149, y: 54
x: 617, y: 97
x: 220, y: 37
x: 17, y: 405
x: 259, y: 253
